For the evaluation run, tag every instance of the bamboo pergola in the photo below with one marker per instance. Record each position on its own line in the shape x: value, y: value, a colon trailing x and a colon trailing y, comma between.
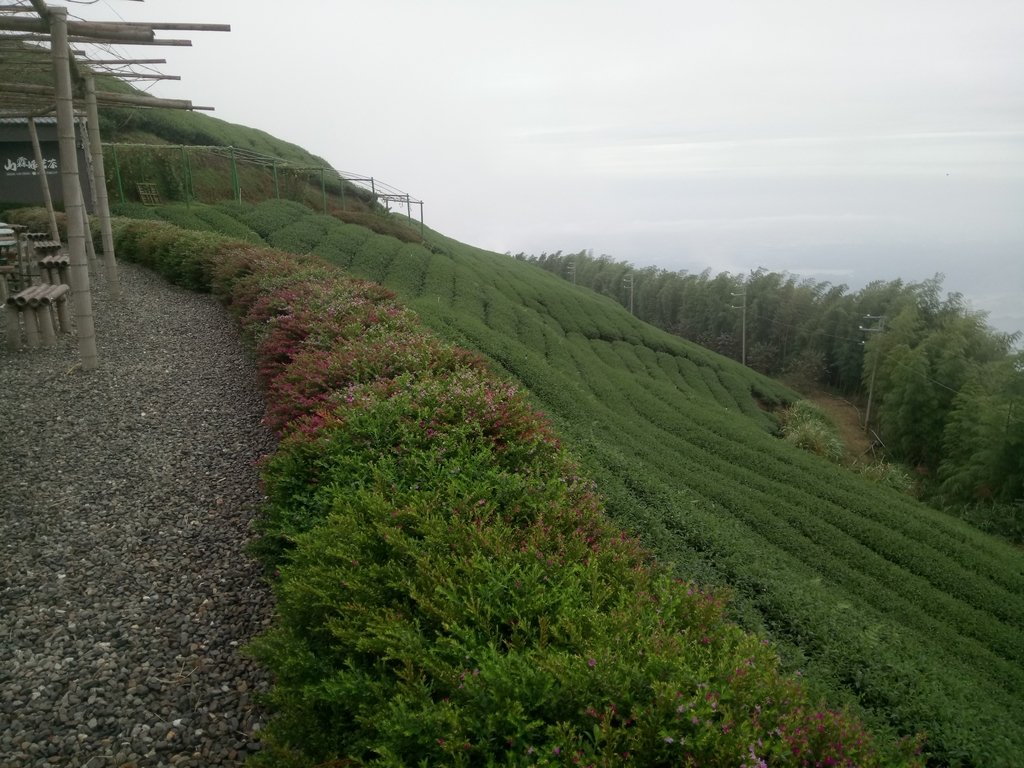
x: 42, y: 74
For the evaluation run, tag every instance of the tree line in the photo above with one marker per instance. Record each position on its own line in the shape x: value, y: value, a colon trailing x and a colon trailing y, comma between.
x: 945, y: 388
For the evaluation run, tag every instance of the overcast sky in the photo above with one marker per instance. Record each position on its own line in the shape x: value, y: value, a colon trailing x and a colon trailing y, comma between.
x: 843, y: 141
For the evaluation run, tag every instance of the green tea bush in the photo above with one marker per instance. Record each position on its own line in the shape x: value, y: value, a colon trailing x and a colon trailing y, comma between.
x: 454, y: 594
x: 221, y: 223
x: 134, y: 211
x: 267, y: 217
x: 449, y: 588
x: 36, y: 219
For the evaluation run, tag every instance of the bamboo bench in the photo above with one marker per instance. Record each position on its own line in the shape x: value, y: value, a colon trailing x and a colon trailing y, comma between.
x: 55, y: 264
x: 33, y: 309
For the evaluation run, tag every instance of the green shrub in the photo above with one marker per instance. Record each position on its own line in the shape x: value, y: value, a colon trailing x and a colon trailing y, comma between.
x: 887, y: 473
x: 806, y: 427
x: 449, y: 588
x: 453, y: 594
x: 36, y: 219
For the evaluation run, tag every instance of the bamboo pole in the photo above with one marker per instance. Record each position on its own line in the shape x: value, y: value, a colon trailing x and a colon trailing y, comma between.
x: 44, y: 185
x: 235, y: 186
x: 28, y: 319
x: 122, y: 62
x: 188, y: 171
x: 117, y: 174
x: 103, y: 97
x: 79, y: 271
x: 184, y: 177
x: 124, y: 33
x: 62, y: 314
x: 90, y: 246
x: 13, y: 328
x: 44, y: 321
x: 85, y: 143
x: 100, y: 185
x: 23, y: 256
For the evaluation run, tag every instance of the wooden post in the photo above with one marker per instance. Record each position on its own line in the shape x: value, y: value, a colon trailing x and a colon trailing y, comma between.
x: 44, y: 185
x: 79, y: 271
x: 100, y: 187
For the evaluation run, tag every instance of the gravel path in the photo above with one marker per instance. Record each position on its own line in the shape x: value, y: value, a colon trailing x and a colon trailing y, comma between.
x: 125, y: 499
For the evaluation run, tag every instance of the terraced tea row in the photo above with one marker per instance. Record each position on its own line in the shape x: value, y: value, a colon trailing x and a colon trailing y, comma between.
x: 881, y: 600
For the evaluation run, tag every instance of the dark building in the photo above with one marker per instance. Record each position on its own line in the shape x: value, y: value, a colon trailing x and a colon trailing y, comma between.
x: 18, y: 173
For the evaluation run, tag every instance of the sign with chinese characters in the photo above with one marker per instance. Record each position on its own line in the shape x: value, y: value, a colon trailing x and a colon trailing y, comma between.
x: 25, y: 166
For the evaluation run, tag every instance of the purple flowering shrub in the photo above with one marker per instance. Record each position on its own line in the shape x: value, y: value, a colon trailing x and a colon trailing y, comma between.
x: 449, y: 589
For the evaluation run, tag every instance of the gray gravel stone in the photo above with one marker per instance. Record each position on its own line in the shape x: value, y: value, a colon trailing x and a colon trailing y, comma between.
x: 126, y: 495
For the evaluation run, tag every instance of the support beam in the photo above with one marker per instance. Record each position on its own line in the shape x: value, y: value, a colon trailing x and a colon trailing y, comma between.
x: 44, y: 185
x: 122, y: 33
x: 185, y: 26
x: 75, y: 210
x: 102, y: 97
x: 139, y: 76
x: 122, y: 62
x: 110, y: 41
x: 100, y: 184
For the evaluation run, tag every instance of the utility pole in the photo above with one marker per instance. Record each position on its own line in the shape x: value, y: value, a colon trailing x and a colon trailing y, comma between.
x: 571, y: 269
x: 743, y: 325
x: 628, y: 280
x: 874, y: 366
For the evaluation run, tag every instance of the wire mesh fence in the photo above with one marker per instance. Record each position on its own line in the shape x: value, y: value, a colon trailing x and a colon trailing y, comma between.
x: 164, y: 173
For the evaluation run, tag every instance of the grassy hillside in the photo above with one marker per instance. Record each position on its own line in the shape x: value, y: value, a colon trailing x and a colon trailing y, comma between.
x: 449, y: 590
x: 876, y: 598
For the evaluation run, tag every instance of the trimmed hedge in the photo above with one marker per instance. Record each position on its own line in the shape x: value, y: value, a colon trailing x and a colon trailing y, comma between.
x: 449, y: 588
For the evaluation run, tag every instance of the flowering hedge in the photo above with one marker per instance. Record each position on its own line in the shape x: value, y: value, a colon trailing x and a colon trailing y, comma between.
x: 449, y: 589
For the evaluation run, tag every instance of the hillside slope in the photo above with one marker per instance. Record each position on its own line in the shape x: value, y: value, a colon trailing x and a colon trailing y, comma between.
x: 879, y: 599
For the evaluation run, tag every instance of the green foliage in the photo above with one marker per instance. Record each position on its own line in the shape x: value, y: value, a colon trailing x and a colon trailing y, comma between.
x: 268, y: 217
x: 812, y: 331
x: 36, y: 219
x: 180, y: 255
x: 884, y: 603
x: 1005, y: 519
x: 449, y: 588
x: 173, y: 126
x: 805, y: 426
x: 887, y: 473
x: 984, y: 436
